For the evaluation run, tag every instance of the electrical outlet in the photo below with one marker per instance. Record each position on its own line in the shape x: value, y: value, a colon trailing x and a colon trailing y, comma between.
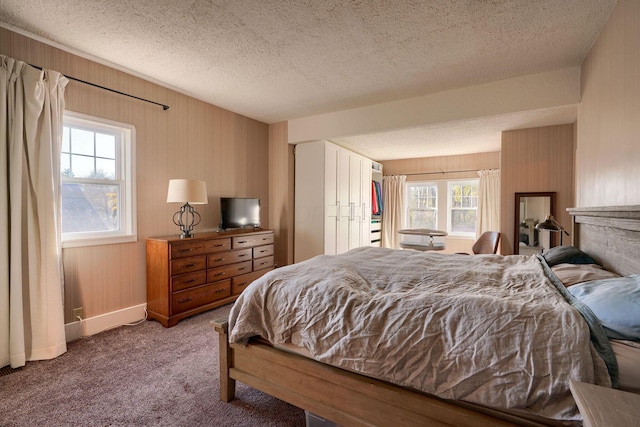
x: 77, y: 312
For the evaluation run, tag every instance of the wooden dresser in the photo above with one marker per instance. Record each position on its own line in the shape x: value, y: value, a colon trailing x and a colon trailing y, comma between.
x: 189, y: 276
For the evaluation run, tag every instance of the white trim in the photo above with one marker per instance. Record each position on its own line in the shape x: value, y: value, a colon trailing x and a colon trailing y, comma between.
x: 407, y: 199
x: 107, y: 240
x: 126, y: 179
x: 460, y: 181
x: 103, y: 322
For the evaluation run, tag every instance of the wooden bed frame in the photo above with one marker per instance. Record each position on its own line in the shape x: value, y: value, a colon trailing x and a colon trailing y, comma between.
x: 610, y: 234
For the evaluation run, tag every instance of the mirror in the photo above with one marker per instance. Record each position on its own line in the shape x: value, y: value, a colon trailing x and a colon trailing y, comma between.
x: 531, y: 209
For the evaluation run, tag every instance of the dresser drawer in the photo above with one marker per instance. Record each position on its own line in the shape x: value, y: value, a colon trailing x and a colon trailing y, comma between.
x: 219, y: 273
x: 262, y: 251
x: 266, y: 262
x: 185, y: 281
x: 188, y: 265
x: 196, y: 297
x: 224, y: 258
x: 199, y: 247
x: 239, y: 283
x: 250, y: 241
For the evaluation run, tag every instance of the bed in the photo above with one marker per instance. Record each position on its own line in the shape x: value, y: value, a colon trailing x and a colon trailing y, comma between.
x: 356, y: 391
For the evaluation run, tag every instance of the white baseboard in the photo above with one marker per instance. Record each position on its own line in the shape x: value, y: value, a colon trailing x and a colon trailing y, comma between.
x: 100, y: 323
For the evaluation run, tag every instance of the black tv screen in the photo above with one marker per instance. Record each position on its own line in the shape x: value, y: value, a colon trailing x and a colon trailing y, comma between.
x: 236, y: 212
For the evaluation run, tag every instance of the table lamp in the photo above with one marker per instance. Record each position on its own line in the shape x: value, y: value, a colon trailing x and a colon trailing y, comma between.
x: 187, y: 191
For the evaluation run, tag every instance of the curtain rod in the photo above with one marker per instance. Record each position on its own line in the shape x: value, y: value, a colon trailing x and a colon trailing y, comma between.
x: 441, y: 172
x: 164, y: 107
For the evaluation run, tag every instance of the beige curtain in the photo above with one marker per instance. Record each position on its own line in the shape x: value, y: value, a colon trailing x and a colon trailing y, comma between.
x: 488, y: 201
x: 393, y: 189
x: 31, y: 300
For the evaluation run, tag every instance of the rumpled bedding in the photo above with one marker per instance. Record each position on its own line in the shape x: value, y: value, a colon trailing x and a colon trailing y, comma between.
x: 485, y: 329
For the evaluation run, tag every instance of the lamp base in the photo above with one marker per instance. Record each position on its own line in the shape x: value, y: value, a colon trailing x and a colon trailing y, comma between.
x: 186, y: 218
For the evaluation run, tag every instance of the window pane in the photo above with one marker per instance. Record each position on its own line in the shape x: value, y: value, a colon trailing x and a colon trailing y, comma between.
x: 463, y: 221
x: 82, y: 166
x: 90, y: 207
x: 464, y: 196
x: 82, y: 142
x: 65, y: 139
x: 423, y: 219
x: 105, y: 145
x: 105, y: 169
x: 65, y: 165
x: 425, y: 196
x: 423, y: 206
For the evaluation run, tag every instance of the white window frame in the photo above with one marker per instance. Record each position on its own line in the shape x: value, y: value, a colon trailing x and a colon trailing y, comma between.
x: 408, y: 199
x: 443, y: 210
x: 125, y: 167
x: 450, y: 183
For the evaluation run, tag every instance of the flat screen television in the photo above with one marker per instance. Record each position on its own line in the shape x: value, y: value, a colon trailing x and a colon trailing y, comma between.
x: 237, y: 212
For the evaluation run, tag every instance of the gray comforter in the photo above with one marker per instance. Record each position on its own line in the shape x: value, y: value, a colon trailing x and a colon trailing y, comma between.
x: 484, y: 329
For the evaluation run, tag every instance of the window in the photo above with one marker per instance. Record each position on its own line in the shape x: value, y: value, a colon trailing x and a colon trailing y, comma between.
x: 422, y: 205
x: 463, y: 207
x: 459, y: 202
x: 97, y: 173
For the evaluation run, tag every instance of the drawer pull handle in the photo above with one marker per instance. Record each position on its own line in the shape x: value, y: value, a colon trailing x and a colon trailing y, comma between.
x: 242, y: 241
x: 242, y: 268
x: 265, y: 238
x: 189, y: 281
x: 190, y: 249
x: 190, y: 265
x: 183, y: 300
x: 218, y: 259
x: 262, y: 252
x: 241, y: 255
x: 218, y: 291
x: 219, y: 245
x: 220, y: 273
x: 242, y: 284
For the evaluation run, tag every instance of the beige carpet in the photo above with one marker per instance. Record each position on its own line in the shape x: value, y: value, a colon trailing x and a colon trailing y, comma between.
x: 138, y: 376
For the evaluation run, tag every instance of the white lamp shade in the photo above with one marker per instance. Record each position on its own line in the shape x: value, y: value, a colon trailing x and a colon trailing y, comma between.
x: 187, y: 191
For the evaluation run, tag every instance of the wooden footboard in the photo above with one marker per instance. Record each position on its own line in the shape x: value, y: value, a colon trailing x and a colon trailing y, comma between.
x: 338, y: 395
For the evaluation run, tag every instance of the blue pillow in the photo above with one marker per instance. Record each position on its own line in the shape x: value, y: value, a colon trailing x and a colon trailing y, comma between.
x: 616, y: 302
x: 566, y: 255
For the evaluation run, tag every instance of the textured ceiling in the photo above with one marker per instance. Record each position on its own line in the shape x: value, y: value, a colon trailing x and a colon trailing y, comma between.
x: 276, y: 60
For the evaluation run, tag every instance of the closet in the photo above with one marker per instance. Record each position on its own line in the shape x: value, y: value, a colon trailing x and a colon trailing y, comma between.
x: 332, y: 200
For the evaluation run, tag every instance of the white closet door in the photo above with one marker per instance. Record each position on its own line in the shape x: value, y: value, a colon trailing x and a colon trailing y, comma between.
x: 366, y: 201
x: 344, y: 168
x: 331, y: 199
x: 355, y: 201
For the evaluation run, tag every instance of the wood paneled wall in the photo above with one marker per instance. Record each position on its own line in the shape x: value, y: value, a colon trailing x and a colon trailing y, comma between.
x: 536, y: 160
x: 281, y: 191
x: 608, y: 131
x: 192, y: 139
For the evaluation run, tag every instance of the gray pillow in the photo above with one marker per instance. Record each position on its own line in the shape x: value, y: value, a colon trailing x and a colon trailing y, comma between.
x: 616, y: 302
x: 566, y: 255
